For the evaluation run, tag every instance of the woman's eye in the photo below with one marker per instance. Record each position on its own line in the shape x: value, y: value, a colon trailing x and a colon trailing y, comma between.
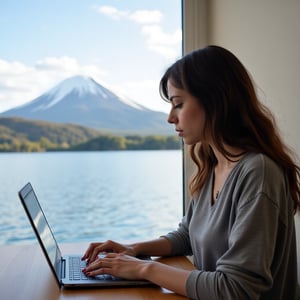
x: 179, y: 105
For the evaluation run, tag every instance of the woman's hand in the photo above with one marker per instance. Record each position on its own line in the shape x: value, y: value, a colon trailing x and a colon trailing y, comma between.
x: 94, y: 249
x: 119, y: 265
x: 129, y: 267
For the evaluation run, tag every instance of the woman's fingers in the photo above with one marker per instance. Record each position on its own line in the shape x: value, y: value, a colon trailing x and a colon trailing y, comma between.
x: 92, y: 252
x: 94, y: 249
x: 115, y: 264
x: 97, y: 267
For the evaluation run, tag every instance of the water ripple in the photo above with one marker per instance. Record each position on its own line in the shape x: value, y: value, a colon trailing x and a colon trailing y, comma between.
x: 93, y: 196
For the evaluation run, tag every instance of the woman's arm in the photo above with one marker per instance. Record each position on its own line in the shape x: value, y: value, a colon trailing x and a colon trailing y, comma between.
x: 157, y: 247
x: 171, y: 278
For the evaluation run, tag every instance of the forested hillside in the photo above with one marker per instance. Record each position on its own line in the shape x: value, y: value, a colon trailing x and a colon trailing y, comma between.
x: 131, y: 142
x: 22, y: 135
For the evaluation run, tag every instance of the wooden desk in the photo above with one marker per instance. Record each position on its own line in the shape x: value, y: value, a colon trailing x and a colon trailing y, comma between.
x: 25, y: 275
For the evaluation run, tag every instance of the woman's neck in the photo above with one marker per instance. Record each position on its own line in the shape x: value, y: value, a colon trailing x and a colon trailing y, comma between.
x: 227, y: 163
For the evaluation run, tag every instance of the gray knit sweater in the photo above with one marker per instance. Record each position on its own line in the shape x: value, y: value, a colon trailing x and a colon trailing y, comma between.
x: 244, y: 245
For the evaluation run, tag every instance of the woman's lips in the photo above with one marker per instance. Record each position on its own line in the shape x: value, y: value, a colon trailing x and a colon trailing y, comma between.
x: 179, y: 132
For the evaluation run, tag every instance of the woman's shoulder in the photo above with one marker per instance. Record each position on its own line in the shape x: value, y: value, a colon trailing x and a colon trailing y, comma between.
x: 260, y: 165
x: 261, y: 175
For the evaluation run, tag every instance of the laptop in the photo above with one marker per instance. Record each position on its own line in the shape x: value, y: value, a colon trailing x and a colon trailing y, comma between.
x: 67, y: 268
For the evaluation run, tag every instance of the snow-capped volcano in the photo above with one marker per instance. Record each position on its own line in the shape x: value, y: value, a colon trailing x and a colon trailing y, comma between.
x: 82, y: 86
x: 81, y: 100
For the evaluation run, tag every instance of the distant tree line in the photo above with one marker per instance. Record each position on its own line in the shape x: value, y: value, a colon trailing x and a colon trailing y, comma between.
x: 131, y: 142
x: 23, y: 145
x: 20, y: 135
x: 101, y: 143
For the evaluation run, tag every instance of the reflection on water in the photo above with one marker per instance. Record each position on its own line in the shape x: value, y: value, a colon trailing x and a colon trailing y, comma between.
x: 93, y: 196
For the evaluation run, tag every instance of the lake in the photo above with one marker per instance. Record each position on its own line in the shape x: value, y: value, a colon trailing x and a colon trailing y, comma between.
x: 93, y: 196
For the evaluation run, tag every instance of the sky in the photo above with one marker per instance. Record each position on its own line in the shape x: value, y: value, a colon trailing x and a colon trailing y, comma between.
x: 123, y: 45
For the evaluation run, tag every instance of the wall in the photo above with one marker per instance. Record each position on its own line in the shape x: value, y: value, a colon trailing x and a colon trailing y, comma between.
x: 265, y: 36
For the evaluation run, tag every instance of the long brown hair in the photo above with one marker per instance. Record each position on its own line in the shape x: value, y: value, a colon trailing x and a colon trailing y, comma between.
x: 234, y: 115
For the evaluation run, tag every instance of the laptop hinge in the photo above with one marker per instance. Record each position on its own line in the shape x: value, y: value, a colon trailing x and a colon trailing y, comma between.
x: 63, y: 268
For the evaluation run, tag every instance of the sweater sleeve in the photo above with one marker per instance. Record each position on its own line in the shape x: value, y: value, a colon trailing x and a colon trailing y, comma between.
x: 180, y: 238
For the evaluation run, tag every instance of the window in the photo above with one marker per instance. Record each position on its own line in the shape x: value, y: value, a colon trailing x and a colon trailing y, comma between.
x: 125, y: 47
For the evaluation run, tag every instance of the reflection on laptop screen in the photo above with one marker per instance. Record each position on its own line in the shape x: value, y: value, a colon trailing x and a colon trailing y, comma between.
x: 42, y: 226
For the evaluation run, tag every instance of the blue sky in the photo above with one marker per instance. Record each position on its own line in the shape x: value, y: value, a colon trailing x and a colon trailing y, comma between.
x: 123, y: 45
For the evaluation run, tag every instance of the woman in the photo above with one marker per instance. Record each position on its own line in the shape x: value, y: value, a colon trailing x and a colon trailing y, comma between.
x: 240, y: 222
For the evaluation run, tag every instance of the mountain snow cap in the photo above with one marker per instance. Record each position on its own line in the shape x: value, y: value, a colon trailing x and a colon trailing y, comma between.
x: 80, y: 84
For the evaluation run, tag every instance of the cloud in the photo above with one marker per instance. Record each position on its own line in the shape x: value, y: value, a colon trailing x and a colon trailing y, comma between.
x: 113, y: 12
x: 20, y: 83
x: 138, y: 16
x: 57, y: 63
x: 146, y: 16
x: 157, y: 40
x: 162, y: 43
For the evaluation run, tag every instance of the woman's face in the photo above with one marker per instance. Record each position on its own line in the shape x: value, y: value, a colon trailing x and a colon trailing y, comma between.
x: 186, y: 114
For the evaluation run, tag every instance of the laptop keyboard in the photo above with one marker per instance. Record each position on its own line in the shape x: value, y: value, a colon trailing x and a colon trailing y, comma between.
x: 75, y: 271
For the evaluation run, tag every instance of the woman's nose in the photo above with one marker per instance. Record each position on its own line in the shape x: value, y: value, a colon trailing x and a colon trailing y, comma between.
x: 171, y: 118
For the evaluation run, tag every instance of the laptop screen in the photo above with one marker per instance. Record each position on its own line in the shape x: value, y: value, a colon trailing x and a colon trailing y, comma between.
x: 40, y: 226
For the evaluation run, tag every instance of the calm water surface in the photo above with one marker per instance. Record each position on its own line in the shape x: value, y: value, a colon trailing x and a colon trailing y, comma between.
x: 93, y: 196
